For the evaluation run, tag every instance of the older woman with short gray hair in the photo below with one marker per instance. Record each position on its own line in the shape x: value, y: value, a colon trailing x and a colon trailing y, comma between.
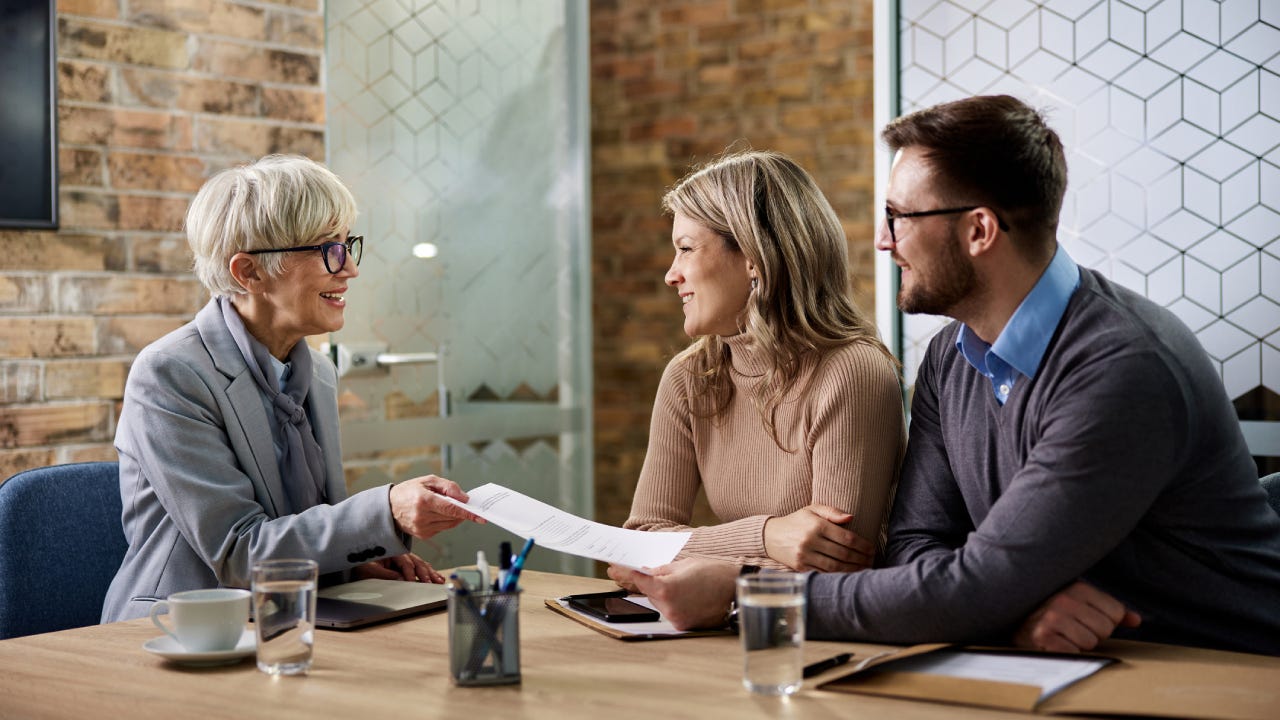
x: 228, y: 435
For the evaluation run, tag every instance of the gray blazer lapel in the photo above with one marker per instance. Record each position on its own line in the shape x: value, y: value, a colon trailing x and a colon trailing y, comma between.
x: 248, y: 415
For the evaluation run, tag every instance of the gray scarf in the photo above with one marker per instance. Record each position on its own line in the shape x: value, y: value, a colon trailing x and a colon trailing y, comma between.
x: 302, y: 464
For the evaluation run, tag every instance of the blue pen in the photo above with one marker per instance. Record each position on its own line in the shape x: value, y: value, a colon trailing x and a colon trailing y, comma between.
x: 514, y: 576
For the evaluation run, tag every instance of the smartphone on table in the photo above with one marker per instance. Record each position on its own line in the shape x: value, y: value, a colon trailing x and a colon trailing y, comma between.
x: 612, y: 607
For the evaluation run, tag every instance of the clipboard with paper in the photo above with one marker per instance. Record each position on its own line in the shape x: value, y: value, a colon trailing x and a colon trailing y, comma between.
x: 1131, y: 678
x: 969, y: 676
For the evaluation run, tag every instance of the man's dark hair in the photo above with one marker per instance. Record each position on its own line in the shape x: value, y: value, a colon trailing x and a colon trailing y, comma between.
x: 991, y: 150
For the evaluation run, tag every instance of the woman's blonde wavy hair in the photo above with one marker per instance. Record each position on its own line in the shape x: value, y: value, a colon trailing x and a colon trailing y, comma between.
x: 767, y: 207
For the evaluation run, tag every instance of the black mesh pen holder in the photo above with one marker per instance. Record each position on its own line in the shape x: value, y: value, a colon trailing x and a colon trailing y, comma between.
x: 484, y: 637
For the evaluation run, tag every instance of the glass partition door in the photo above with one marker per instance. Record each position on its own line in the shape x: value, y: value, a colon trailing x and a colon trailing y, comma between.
x: 462, y: 131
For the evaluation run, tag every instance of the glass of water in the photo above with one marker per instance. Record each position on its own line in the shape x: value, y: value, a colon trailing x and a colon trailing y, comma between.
x: 771, y: 623
x: 284, y: 612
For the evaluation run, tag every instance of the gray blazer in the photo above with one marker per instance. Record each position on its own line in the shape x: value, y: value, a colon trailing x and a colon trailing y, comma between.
x: 203, y: 498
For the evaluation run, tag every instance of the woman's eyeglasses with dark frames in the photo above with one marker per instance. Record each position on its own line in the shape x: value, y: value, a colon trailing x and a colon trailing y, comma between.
x: 890, y: 215
x: 335, y: 253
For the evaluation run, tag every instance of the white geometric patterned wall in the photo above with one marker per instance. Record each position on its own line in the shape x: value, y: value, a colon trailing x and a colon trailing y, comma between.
x: 1170, y: 114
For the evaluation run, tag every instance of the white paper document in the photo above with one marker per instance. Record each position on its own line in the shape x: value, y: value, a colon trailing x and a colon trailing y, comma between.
x: 1050, y: 674
x: 553, y: 528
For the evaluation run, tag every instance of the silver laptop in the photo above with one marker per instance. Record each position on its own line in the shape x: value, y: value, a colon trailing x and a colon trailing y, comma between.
x: 364, y: 602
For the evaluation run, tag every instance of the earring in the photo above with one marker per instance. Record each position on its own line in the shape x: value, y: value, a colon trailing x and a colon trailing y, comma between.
x: 755, y: 283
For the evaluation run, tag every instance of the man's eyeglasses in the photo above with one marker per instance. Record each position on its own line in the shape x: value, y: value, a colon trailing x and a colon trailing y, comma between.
x: 890, y: 215
x: 335, y: 253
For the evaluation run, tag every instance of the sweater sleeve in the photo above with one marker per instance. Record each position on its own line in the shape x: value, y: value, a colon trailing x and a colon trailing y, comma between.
x: 670, y: 480
x: 856, y: 436
x: 929, y: 515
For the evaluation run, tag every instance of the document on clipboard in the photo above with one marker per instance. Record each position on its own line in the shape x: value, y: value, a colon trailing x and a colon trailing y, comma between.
x: 553, y: 528
x: 1048, y: 673
x: 993, y: 677
x: 1123, y: 678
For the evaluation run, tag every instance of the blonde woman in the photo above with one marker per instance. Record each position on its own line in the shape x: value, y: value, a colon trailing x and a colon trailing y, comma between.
x: 786, y: 407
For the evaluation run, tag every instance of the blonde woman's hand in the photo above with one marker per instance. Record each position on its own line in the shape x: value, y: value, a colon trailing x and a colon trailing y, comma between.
x: 623, y: 576
x: 689, y: 592
x: 812, y: 538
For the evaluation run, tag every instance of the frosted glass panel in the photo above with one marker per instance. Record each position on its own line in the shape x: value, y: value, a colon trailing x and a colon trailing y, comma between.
x: 460, y: 128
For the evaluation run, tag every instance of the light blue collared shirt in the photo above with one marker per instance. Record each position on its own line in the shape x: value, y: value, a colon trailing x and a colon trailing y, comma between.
x: 1020, y: 346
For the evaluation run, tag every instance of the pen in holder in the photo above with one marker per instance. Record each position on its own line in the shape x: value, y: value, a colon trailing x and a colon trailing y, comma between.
x: 484, y: 637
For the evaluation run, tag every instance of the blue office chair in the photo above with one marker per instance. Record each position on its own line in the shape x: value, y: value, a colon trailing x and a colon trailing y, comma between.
x: 61, y: 543
x: 1271, y: 484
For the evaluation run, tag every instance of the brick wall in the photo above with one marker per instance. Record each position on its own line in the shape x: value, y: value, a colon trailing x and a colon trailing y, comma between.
x: 153, y: 97
x: 156, y: 95
x: 674, y: 83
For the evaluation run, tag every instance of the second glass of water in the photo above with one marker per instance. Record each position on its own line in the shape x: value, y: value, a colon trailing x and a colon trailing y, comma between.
x: 771, y: 623
x: 284, y: 613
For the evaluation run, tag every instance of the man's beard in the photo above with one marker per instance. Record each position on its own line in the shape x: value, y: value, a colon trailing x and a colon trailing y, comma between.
x: 953, y: 280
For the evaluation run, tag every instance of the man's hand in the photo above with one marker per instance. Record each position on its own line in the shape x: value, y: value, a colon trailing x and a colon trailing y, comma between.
x: 1075, y: 619
x: 812, y: 538
x: 407, y: 567
x: 691, y: 593
x: 418, y: 508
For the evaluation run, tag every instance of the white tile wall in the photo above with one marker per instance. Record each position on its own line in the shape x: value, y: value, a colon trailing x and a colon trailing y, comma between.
x: 1170, y: 113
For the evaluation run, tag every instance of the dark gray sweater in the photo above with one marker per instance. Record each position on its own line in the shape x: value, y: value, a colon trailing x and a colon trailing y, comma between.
x: 1121, y: 463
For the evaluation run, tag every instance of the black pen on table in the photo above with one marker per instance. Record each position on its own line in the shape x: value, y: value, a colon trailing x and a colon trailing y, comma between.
x: 822, y: 666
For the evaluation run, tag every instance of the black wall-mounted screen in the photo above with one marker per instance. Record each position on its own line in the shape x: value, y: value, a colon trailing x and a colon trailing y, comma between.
x: 28, y: 117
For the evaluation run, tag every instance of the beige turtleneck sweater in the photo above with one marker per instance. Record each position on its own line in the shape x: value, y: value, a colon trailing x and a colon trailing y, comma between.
x: 846, y: 428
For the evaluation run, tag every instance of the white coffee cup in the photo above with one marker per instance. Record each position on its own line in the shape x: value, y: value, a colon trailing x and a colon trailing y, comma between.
x: 205, y: 620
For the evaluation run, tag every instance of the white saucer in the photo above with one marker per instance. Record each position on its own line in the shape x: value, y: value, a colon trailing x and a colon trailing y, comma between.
x: 169, y: 649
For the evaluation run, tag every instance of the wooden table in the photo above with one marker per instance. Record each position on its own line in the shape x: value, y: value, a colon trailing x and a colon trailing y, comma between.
x: 401, y: 670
